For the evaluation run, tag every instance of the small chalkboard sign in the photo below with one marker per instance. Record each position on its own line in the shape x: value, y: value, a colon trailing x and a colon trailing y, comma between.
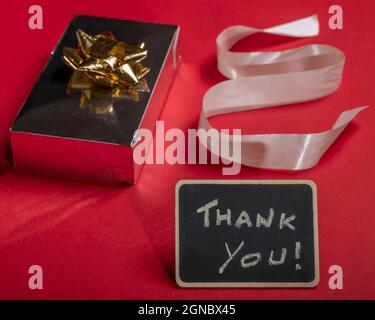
x: 245, y: 233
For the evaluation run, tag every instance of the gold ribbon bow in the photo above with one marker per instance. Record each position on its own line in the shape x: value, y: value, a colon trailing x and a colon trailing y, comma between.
x: 105, y: 68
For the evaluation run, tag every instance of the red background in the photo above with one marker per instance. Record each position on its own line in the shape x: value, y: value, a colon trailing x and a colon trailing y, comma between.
x: 118, y: 242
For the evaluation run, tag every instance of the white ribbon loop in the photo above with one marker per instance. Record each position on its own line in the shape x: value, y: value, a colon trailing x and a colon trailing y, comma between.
x: 268, y: 79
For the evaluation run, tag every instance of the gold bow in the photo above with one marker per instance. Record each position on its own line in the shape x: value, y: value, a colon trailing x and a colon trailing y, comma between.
x: 105, y: 68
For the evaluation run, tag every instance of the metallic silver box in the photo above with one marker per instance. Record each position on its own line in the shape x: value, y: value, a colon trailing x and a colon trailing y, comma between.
x: 53, y: 135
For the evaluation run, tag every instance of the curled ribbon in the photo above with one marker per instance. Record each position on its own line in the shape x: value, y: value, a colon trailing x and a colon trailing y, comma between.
x: 268, y: 79
x: 105, y: 68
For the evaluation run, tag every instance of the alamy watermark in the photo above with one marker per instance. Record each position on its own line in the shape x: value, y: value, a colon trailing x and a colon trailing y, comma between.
x: 335, y: 21
x: 174, y: 146
x: 36, y: 279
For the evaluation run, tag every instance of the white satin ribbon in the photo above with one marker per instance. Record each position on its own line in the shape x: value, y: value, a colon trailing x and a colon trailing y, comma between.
x: 268, y: 79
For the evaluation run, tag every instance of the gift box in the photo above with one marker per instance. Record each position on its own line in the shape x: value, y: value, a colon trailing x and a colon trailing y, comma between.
x: 68, y: 127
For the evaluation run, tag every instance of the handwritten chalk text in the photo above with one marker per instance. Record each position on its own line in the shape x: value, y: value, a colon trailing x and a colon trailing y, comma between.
x: 273, y: 257
x: 216, y: 216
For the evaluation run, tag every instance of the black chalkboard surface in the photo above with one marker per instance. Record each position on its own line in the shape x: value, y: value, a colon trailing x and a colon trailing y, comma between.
x: 244, y: 233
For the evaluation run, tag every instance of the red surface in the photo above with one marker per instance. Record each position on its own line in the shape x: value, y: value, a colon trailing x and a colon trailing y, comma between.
x: 118, y: 242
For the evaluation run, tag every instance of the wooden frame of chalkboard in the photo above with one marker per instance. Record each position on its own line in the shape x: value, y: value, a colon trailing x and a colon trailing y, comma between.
x: 313, y: 283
